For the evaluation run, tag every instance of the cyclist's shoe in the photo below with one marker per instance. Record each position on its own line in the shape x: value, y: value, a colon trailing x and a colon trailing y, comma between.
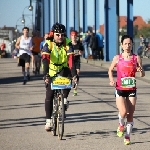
x: 120, y: 131
x: 24, y: 82
x: 127, y: 140
x: 48, y: 125
x: 28, y: 77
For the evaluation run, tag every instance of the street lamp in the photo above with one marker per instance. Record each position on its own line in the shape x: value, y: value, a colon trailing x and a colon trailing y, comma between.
x: 16, y: 29
x: 23, y: 19
x: 30, y: 8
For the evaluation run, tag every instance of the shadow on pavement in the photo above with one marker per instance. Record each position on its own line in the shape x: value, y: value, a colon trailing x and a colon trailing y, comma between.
x: 19, y: 79
x: 94, y: 74
x: 22, y: 122
x: 92, y: 116
x: 10, y: 107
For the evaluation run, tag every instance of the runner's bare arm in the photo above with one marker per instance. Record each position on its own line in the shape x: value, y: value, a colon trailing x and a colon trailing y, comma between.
x: 140, y: 67
x: 31, y: 45
x: 111, y: 68
x: 18, y: 43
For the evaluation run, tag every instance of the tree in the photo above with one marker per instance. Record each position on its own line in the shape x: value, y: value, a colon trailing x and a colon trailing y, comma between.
x: 145, y: 31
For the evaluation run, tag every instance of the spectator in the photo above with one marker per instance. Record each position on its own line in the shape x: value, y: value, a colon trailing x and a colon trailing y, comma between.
x: 100, y: 45
x: 85, y: 43
x: 94, y: 46
x: 143, y: 41
x: 142, y: 47
x: 3, y: 53
x: 3, y: 46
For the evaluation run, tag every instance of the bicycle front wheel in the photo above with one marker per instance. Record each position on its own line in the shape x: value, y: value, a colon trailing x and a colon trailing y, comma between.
x: 61, y: 115
x: 54, y: 117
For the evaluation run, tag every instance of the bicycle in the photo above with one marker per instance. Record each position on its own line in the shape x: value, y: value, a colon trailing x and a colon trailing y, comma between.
x: 59, y: 83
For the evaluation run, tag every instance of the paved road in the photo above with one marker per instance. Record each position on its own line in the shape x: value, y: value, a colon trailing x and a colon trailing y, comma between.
x: 91, y: 121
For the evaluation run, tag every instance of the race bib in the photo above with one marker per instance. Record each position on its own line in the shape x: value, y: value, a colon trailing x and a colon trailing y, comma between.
x: 61, y: 83
x: 76, y: 52
x: 128, y: 82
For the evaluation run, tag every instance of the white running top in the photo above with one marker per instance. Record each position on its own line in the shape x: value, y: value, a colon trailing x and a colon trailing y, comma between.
x: 25, y: 45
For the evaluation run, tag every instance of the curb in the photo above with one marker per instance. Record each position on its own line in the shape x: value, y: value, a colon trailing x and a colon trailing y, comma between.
x: 96, y: 63
x: 106, y: 65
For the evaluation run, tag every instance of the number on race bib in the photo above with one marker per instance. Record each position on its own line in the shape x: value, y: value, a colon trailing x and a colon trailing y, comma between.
x: 128, y: 82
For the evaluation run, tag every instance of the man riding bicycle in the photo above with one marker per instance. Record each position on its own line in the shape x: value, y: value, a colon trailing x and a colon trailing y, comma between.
x: 62, y: 62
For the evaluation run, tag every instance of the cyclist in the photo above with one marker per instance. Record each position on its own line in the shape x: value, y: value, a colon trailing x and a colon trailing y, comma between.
x: 127, y: 65
x: 78, y: 51
x: 24, y: 44
x: 62, y: 60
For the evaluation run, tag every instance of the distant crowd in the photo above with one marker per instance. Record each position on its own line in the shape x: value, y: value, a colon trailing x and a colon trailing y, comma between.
x: 93, y: 45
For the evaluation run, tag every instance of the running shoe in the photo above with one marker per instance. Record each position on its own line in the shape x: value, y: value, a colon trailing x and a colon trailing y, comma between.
x: 120, y: 131
x: 127, y: 140
x: 75, y: 93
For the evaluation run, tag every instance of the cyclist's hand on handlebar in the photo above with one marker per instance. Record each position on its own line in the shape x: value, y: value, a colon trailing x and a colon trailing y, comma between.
x: 47, y: 80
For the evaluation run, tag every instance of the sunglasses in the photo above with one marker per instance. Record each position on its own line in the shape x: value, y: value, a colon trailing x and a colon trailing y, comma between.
x: 60, y: 34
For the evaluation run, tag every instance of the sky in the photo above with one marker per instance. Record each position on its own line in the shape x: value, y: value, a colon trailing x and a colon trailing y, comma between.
x: 11, y: 11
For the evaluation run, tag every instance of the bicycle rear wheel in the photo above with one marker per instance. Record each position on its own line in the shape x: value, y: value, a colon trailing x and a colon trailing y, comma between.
x: 60, y: 118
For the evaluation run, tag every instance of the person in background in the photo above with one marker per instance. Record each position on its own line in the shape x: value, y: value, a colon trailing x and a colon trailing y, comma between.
x: 86, y: 42
x: 100, y: 45
x: 36, y: 53
x: 78, y: 51
x: 24, y: 44
x: 141, y: 51
x: 94, y: 47
x: 3, y: 53
x: 45, y: 55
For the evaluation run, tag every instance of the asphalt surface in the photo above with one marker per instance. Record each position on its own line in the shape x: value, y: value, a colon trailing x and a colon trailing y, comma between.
x: 91, y: 121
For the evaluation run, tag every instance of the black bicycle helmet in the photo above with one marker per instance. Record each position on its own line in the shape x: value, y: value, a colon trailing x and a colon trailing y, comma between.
x: 59, y: 28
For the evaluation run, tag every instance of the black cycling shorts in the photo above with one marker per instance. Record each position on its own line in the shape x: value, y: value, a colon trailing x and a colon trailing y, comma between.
x: 125, y: 93
x: 24, y: 58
